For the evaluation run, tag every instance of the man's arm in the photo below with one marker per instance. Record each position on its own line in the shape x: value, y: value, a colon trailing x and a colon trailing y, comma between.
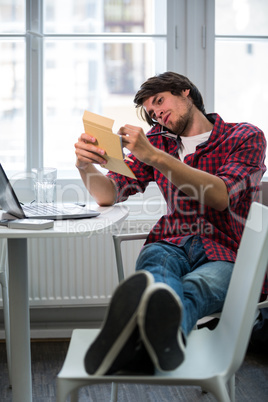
x: 197, y: 184
x: 204, y: 187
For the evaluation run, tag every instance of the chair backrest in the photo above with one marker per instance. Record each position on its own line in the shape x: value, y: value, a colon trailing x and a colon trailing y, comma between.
x: 240, y: 305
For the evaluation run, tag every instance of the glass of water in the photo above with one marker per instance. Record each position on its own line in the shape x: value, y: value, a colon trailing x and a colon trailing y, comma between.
x: 45, y: 184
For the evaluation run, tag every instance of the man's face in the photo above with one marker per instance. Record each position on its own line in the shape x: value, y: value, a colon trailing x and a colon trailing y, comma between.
x: 171, y: 111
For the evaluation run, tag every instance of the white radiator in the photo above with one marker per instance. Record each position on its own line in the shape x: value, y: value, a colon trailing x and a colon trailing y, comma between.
x: 76, y: 271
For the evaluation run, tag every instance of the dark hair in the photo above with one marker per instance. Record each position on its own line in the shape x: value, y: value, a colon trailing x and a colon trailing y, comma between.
x: 171, y: 82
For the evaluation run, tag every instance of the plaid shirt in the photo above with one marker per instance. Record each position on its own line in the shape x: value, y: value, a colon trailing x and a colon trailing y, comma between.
x: 234, y: 152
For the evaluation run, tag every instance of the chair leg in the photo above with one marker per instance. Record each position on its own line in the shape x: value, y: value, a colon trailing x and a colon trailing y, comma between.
x: 114, y: 392
x: 231, y: 385
x: 74, y: 396
x: 65, y: 388
x: 118, y: 256
x: 220, y: 390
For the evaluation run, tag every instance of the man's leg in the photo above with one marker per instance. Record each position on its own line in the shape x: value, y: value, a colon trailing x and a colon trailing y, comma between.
x: 118, y: 341
x: 159, y: 320
x: 200, y: 284
x: 205, y: 290
x: 190, y: 287
x: 198, y: 287
x: 168, y: 264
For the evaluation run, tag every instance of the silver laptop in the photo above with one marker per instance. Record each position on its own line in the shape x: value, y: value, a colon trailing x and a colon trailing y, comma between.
x: 10, y: 204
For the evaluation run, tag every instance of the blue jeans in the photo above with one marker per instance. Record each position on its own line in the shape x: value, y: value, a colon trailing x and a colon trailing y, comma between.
x: 201, y: 284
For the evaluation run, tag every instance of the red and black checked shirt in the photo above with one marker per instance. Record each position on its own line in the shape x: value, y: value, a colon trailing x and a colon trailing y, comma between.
x: 235, y: 152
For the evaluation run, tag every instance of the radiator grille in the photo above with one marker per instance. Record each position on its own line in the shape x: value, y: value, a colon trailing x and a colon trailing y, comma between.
x: 75, y: 271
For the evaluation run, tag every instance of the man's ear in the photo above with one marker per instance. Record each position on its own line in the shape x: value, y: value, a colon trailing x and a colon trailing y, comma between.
x: 185, y: 92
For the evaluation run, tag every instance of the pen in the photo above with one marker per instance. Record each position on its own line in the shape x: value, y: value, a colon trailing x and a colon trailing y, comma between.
x: 126, y: 158
x: 159, y: 133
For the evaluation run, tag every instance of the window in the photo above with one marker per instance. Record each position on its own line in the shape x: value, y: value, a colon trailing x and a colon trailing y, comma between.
x: 96, y: 54
x: 58, y: 60
x: 241, y: 61
x: 89, y: 54
x: 13, y: 84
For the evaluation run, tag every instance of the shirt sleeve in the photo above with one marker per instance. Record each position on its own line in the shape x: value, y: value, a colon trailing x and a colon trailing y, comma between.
x: 127, y: 186
x: 244, y: 165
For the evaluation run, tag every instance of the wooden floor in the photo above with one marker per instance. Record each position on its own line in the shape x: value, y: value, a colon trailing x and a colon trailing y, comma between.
x: 48, y: 357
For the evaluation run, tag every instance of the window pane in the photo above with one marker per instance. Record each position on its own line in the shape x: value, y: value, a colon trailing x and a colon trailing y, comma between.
x: 96, y: 16
x: 241, y: 87
x: 12, y: 16
x: 99, y: 76
x: 12, y: 104
x: 241, y: 17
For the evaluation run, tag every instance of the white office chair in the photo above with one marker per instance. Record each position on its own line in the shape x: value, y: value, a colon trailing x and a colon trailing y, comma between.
x: 212, y: 357
x: 5, y: 294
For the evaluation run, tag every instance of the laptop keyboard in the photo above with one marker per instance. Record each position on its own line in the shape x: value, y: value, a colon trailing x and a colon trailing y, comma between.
x: 45, y: 209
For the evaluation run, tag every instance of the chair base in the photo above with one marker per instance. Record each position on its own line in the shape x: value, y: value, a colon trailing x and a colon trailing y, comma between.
x: 73, y: 374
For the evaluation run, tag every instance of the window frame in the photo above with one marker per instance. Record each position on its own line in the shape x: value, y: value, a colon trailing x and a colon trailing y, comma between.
x: 190, y: 51
x: 190, y: 25
x: 34, y: 84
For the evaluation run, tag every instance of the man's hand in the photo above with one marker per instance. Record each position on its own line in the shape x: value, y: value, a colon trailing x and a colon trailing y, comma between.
x: 101, y: 188
x: 87, y: 153
x: 136, y: 142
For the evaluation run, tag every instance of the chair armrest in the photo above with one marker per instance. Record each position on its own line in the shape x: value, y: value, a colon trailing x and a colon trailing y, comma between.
x: 118, y: 238
x: 263, y: 304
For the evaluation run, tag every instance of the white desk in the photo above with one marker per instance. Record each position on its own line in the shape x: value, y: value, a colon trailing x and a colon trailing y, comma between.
x: 18, y: 286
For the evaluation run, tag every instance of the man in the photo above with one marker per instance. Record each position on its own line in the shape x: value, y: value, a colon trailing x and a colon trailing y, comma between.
x: 209, y: 173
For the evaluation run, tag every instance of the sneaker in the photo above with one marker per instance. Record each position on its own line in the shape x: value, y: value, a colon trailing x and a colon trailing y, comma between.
x: 114, y: 345
x: 159, y: 320
x: 133, y: 358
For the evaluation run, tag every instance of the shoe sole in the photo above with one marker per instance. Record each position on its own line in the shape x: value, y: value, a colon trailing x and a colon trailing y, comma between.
x: 160, y: 306
x: 119, y: 324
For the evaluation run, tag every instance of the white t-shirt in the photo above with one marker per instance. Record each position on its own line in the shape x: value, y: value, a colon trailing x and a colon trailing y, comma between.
x: 189, y: 144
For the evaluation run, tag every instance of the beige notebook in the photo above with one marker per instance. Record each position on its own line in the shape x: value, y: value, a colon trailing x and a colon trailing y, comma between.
x: 101, y: 128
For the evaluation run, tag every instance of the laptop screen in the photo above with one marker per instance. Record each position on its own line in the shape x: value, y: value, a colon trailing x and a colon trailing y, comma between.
x: 8, y: 199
